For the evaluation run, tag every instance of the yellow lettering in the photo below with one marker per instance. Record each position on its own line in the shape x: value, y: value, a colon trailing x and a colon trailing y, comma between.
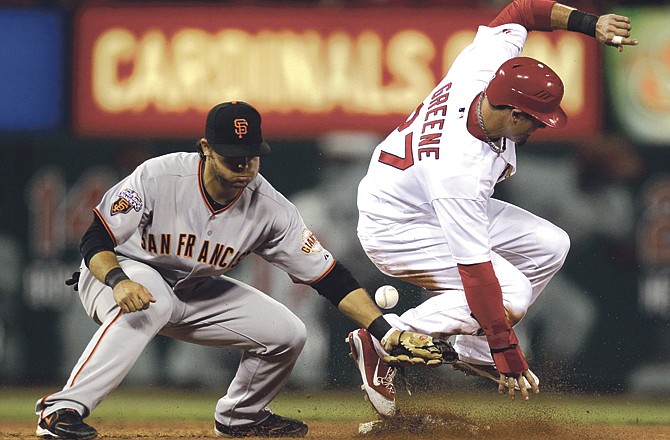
x: 114, y: 49
x: 409, y: 56
x: 286, y: 71
x: 339, y: 67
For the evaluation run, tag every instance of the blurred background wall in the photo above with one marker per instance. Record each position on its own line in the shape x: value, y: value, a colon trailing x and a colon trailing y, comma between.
x: 91, y: 89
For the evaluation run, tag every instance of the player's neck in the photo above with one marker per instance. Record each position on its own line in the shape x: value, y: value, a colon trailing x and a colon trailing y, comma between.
x: 490, y: 120
x: 217, y: 192
x: 222, y: 196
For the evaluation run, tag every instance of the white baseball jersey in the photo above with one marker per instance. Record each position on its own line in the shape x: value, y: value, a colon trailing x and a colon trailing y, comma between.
x: 160, y: 215
x: 425, y: 205
x: 432, y: 171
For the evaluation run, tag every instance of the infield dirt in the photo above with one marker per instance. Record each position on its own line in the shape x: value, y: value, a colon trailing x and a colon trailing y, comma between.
x: 174, y: 414
x: 442, y: 426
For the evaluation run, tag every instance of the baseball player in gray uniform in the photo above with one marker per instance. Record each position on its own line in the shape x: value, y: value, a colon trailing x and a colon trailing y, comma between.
x: 427, y: 215
x: 154, y: 260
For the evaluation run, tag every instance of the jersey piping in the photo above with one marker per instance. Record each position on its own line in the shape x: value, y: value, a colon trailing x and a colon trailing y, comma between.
x: 322, y: 276
x: 203, y: 192
x: 104, y: 223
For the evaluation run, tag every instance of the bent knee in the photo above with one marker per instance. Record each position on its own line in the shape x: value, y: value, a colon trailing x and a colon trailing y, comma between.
x: 290, y: 340
x: 556, y: 242
x: 298, y: 335
x: 155, y: 317
x: 517, y: 303
x: 161, y: 309
x: 515, y: 314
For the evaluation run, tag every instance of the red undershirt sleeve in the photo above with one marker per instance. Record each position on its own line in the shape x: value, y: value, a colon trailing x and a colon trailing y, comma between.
x: 483, y: 293
x: 534, y: 15
x: 484, y: 296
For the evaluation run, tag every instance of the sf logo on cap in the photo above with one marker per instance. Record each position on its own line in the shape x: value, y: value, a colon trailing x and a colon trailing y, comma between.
x: 240, y: 127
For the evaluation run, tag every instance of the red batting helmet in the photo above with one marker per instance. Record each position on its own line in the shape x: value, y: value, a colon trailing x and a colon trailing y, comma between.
x: 530, y: 86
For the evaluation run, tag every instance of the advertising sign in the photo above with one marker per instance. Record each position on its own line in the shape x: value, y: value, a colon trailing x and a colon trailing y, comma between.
x: 155, y: 70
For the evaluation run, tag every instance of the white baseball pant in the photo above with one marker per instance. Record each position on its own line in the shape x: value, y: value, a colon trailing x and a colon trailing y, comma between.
x: 526, y: 252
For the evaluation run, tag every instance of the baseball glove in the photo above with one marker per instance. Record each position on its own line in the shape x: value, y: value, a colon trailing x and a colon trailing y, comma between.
x: 414, y: 349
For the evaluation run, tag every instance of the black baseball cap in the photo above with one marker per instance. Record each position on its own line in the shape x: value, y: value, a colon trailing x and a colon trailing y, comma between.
x: 234, y: 129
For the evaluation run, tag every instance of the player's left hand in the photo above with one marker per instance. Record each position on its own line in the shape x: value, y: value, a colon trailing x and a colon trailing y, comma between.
x: 614, y: 30
x: 521, y: 383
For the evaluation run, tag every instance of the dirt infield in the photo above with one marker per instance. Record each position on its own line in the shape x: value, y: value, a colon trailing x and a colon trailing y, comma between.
x: 339, y: 431
x: 336, y: 415
x: 405, y: 428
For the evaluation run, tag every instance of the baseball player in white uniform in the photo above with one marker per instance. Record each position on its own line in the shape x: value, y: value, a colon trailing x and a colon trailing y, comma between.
x: 154, y: 260
x: 427, y: 215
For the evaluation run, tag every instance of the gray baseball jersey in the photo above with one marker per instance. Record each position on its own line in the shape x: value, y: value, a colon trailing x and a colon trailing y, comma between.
x: 159, y: 215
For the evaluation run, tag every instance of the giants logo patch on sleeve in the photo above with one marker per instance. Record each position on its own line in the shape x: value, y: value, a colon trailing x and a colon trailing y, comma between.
x: 128, y: 199
x: 310, y: 245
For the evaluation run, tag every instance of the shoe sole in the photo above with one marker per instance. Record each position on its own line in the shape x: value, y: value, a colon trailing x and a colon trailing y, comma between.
x: 474, y: 371
x: 298, y: 433
x: 221, y: 434
x: 46, y: 434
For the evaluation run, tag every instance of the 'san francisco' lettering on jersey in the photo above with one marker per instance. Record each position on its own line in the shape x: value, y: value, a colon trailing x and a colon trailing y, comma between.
x: 216, y: 254
x: 213, y: 254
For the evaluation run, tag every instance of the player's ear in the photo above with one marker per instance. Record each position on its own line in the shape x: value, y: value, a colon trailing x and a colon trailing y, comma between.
x: 516, y: 115
x: 204, y: 145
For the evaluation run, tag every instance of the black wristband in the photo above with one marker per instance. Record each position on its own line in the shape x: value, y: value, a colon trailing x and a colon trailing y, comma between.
x: 337, y: 284
x: 379, y: 327
x: 115, y: 276
x: 583, y: 22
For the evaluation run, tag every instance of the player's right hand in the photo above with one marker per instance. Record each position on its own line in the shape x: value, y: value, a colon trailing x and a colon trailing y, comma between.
x: 522, y: 383
x: 132, y: 296
x: 612, y: 26
x: 514, y: 372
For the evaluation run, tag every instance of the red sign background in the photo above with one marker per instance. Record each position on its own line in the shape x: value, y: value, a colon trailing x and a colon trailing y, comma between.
x: 283, y: 116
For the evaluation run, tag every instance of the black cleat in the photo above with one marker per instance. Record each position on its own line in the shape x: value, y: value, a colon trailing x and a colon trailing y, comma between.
x: 273, y: 426
x: 65, y: 424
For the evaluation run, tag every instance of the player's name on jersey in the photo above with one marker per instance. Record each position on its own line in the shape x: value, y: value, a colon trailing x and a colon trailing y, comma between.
x: 213, y: 254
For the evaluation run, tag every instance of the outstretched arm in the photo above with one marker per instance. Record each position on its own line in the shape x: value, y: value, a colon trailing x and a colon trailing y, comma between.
x: 547, y: 15
x: 609, y: 29
x: 404, y: 347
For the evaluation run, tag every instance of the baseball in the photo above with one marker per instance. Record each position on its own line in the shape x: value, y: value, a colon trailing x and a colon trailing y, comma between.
x: 386, y: 297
